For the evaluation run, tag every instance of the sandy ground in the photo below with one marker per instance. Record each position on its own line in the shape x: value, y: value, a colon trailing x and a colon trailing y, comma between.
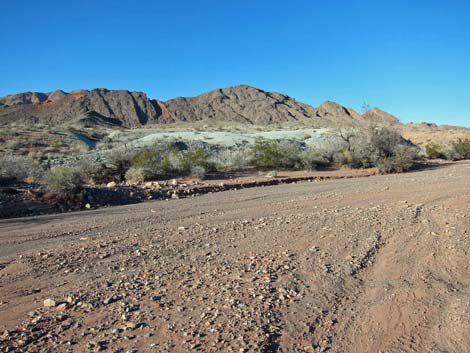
x: 377, y: 264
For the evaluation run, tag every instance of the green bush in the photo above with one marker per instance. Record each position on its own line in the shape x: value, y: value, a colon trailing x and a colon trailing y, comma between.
x: 146, y: 157
x: 192, y: 158
x: 198, y: 172
x: 19, y: 168
x: 310, y: 159
x: 461, y: 148
x: 383, y: 142
x: 232, y: 158
x: 169, y: 159
x: 400, y: 161
x: 136, y: 175
x: 119, y: 162
x: 266, y: 154
x: 380, y: 147
x: 273, y: 154
x: 344, y: 158
x: 66, y: 183
x: 94, y: 172
x: 435, y: 151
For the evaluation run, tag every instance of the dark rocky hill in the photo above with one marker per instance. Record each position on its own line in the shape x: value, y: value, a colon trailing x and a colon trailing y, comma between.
x: 239, y: 104
x: 242, y: 104
x: 131, y: 109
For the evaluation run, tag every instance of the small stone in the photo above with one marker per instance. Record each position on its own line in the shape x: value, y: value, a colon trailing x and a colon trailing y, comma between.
x: 88, y: 206
x: 131, y: 325
x: 111, y: 184
x: 156, y: 298
x: 62, y: 306
x: 49, y: 303
x: 109, y: 300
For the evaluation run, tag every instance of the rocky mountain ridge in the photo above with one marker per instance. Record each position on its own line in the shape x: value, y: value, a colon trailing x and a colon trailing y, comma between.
x: 238, y: 104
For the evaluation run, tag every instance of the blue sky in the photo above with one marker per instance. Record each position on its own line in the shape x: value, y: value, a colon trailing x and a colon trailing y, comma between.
x: 411, y: 58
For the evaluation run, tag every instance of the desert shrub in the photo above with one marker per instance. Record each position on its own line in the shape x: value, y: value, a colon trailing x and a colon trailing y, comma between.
x: 19, y: 168
x: 383, y: 141
x: 266, y: 154
x: 93, y: 171
x: 136, y: 174
x: 400, y: 161
x: 272, y: 174
x: 274, y: 154
x: 119, y: 162
x: 343, y: 158
x: 12, y: 145
x: 170, y: 158
x: 461, y: 148
x: 311, y: 159
x: 67, y: 183
x: 327, y: 148
x: 231, y: 159
x: 145, y: 157
x: 198, y: 171
x: 379, y: 147
x: 197, y: 157
x: 435, y: 151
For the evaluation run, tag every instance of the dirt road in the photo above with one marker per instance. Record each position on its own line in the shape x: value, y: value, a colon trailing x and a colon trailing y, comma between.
x: 376, y: 264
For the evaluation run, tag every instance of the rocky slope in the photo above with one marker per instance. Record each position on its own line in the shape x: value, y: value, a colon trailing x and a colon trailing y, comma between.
x: 239, y: 104
x: 378, y: 116
x: 243, y: 104
x: 131, y: 109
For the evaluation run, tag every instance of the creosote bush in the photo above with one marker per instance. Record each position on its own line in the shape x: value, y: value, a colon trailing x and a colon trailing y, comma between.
x: 170, y: 160
x: 136, y: 174
x: 435, y: 151
x: 66, y: 183
x: 379, y: 147
x: 236, y: 158
x: 198, y: 171
x: 458, y: 149
x: 461, y: 148
x: 19, y: 168
x: 94, y: 172
x: 274, y: 154
x: 399, y: 161
x: 119, y: 161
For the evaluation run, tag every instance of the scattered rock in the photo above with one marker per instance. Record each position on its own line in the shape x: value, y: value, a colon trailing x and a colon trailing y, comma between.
x: 49, y: 303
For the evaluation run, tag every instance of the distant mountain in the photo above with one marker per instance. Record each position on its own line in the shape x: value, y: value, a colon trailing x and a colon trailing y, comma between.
x: 377, y: 116
x: 239, y: 104
x: 131, y: 109
x: 242, y: 104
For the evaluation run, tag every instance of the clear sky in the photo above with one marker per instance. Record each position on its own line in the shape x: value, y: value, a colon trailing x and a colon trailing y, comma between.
x: 411, y: 58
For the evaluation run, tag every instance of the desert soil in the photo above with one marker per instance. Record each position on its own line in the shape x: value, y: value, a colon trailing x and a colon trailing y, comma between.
x: 377, y: 264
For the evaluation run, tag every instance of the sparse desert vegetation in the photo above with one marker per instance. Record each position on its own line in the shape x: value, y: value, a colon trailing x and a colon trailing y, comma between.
x: 133, y: 158
x: 159, y: 160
